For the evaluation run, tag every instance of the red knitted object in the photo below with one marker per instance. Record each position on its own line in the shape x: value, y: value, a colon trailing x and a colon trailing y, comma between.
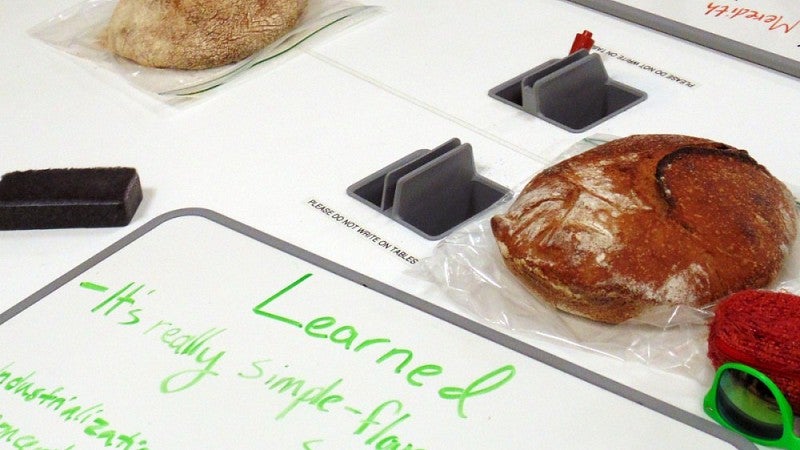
x: 760, y: 329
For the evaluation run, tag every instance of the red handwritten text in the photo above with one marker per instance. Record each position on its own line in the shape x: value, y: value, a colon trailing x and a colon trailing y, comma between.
x: 774, y: 22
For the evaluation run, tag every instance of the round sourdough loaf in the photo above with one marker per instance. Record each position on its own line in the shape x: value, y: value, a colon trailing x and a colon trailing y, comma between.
x: 647, y: 220
x: 197, y: 34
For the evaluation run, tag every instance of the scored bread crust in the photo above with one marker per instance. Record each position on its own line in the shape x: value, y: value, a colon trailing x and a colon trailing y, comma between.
x: 197, y: 34
x: 647, y: 220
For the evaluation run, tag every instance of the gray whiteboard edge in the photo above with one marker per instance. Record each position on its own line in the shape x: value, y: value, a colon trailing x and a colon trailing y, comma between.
x: 472, y: 326
x: 696, y: 35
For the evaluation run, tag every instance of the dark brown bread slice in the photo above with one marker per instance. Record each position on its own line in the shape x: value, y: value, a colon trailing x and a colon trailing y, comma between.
x: 647, y: 220
x: 69, y: 198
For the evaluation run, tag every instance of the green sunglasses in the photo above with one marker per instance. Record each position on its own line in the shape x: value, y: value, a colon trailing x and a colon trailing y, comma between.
x: 745, y: 400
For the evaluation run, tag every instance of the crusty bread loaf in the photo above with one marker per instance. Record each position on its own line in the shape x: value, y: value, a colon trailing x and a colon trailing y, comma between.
x: 647, y: 220
x: 197, y: 34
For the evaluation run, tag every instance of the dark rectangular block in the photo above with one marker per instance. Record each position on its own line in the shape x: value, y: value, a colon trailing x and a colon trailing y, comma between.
x: 69, y: 198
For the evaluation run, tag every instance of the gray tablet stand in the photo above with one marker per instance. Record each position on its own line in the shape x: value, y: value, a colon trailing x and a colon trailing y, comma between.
x: 574, y: 93
x: 430, y: 191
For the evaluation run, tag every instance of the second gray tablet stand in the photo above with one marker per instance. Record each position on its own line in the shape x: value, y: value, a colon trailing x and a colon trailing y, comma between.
x: 430, y: 191
x: 574, y: 93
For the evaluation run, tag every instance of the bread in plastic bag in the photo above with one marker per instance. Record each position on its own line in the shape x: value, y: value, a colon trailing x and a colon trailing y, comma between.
x: 469, y: 266
x: 78, y: 31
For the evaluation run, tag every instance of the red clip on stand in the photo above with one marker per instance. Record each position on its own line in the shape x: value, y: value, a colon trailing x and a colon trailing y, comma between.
x: 582, y: 41
x: 574, y: 92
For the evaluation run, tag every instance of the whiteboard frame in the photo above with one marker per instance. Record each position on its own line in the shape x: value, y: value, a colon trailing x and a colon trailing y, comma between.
x: 469, y: 325
x: 696, y: 35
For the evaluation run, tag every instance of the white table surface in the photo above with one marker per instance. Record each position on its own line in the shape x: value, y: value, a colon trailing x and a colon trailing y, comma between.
x: 328, y: 114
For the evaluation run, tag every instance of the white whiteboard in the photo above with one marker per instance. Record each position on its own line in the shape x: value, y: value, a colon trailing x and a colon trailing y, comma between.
x: 765, y: 32
x: 197, y: 332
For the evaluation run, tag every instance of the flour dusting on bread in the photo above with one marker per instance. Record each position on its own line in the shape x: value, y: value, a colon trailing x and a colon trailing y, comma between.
x: 647, y: 220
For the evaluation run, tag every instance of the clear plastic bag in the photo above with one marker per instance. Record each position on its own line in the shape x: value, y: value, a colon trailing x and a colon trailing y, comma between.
x: 77, y: 31
x: 469, y: 266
